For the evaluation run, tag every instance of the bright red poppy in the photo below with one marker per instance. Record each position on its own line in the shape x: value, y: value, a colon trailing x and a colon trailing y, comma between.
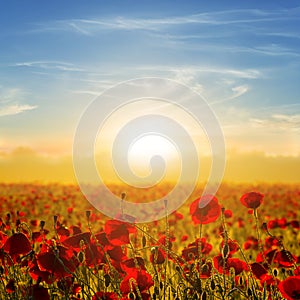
x: 252, y: 200
x: 136, y: 278
x: 192, y: 250
x: 118, y: 232
x: 207, y: 214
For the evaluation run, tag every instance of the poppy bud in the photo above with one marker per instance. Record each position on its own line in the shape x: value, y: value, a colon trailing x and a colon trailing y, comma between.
x: 81, y: 257
x: 225, y: 251
x: 106, y: 280
x: 212, y: 284
x: 144, y: 241
x: 131, y: 295
x: 42, y: 224
x: 204, y: 296
x: 88, y: 214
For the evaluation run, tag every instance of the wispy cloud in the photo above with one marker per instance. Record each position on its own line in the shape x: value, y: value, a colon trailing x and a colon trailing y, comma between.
x: 88, y: 26
x: 15, y: 109
x: 278, y: 122
x: 237, y: 92
x: 10, y: 99
x: 49, y: 65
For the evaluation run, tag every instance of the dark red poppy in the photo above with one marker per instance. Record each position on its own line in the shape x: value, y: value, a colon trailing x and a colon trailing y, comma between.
x: 10, y: 286
x: 75, y: 240
x: 258, y: 270
x: 94, y: 255
x: 116, y: 254
x: 63, y: 232
x: 105, y: 296
x: 118, y: 232
x: 267, y: 255
x: 37, y: 274
x: 17, y: 244
x: 207, y: 214
x: 238, y: 265
x: 38, y: 292
x: 59, y: 262
x: 252, y: 200
x: 137, y: 262
x: 158, y: 256
x: 285, y: 259
x: 136, y: 278
x: 295, y: 224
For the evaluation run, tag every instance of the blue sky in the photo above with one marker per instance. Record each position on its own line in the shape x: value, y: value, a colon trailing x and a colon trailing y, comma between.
x: 242, y: 56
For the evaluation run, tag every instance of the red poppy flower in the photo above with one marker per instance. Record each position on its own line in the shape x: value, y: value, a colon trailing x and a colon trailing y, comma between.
x: 238, y: 265
x: 3, y: 238
x: 10, y: 286
x: 59, y: 262
x: 38, y: 292
x: 206, y: 214
x: 106, y: 296
x: 228, y: 213
x: 233, y: 246
x: 94, y: 255
x: 295, y: 224
x: 74, y: 240
x: 285, y: 259
x: 131, y: 263
x: 116, y: 254
x: 157, y: 256
x: 37, y: 274
x: 192, y: 250
x: 252, y: 200
x: 258, y: 270
x: 118, y: 232
x: 17, y: 244
x: 136, y: 278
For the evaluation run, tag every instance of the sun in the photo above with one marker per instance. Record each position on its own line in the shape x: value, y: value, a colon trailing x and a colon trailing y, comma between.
x: 145, y: 148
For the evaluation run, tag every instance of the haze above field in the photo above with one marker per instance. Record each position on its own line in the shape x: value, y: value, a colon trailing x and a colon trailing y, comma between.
x: 243, y: 57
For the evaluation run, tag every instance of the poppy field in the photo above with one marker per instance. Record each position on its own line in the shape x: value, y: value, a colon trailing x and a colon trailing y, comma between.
x: 244, y: 244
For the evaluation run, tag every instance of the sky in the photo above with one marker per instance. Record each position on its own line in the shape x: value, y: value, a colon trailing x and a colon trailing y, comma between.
x: 243, y: 57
